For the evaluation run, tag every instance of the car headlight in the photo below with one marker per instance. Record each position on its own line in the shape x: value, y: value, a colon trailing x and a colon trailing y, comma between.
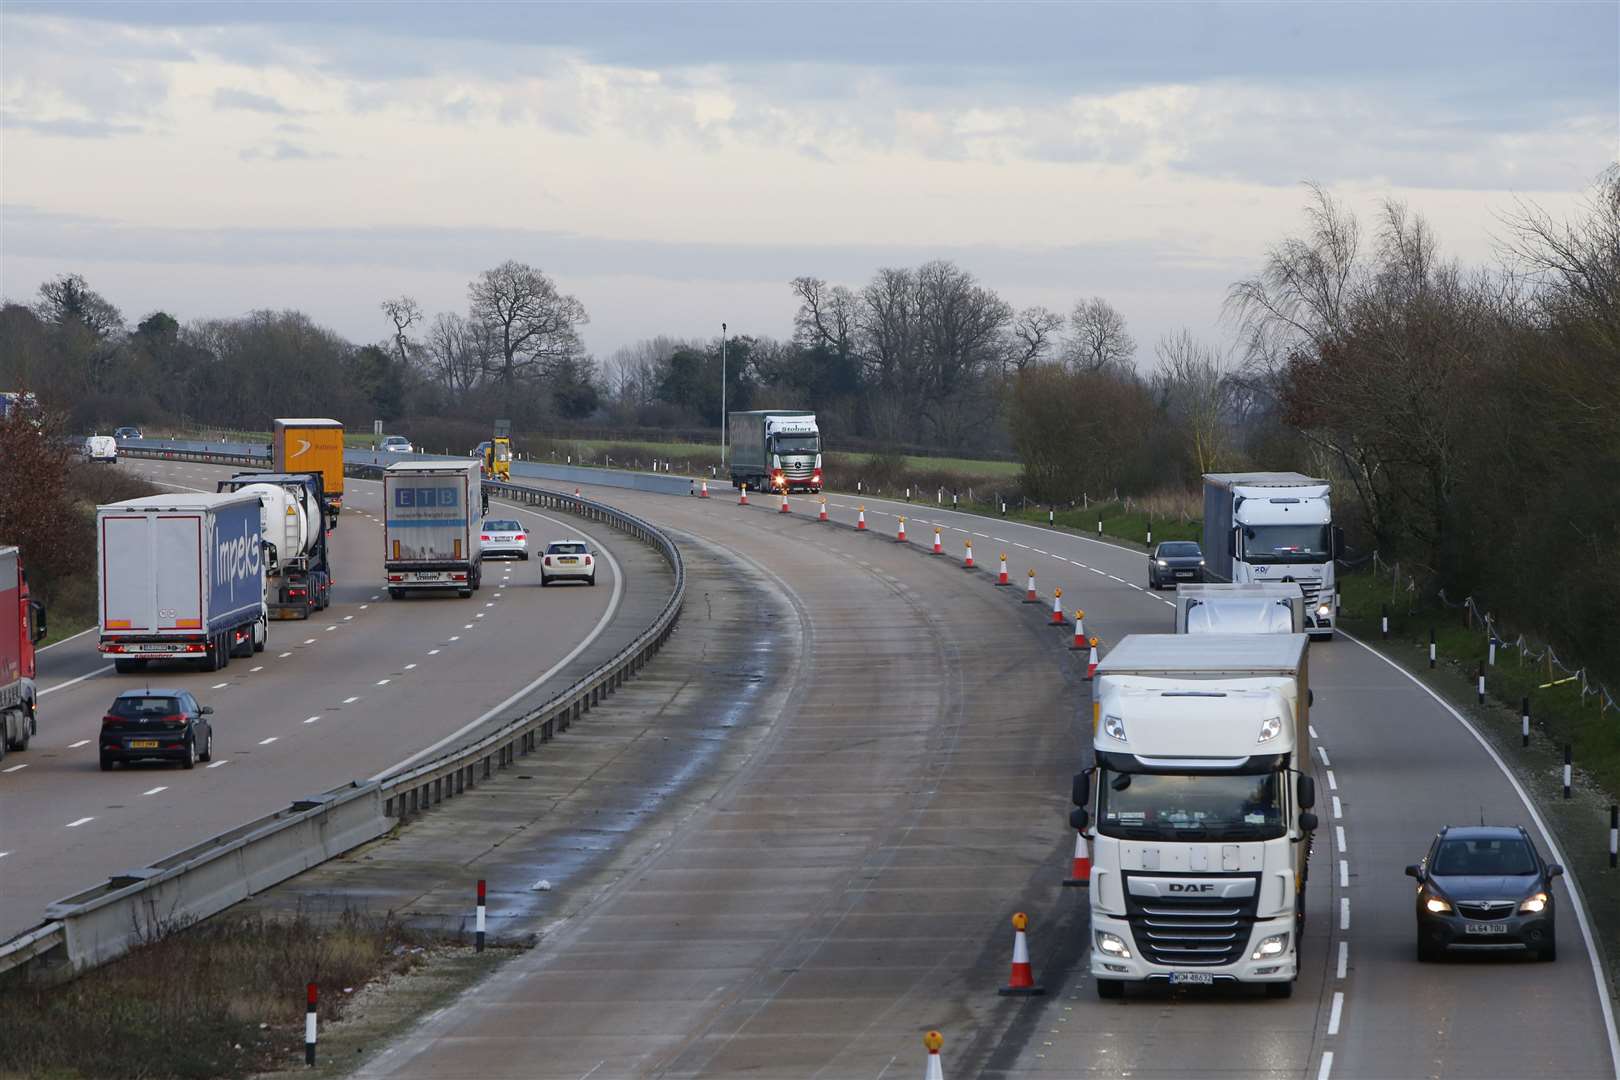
x: 1161, y: 562
x: 1114, y: 727
x: 1270, y: 728
x: 1113, y: 945
x: 1275, y: 945
x: 1534, y: 904
x: 1437, y: 905
x: 1200, y: 562
x: 1323, y: 609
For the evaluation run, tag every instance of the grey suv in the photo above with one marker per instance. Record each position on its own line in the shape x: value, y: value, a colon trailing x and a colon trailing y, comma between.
x: 1485, y: 887
x: 1175, y: 561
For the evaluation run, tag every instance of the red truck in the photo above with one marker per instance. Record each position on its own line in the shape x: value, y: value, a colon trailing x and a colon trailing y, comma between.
x: 22, y: 625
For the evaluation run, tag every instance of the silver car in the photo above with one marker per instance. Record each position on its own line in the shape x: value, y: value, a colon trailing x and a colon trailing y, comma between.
x: 503, y: 538
x: 570, y: 559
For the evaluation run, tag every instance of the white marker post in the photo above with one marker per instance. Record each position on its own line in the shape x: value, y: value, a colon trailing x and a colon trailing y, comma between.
x: 479, y: 925
x: 311, y: 992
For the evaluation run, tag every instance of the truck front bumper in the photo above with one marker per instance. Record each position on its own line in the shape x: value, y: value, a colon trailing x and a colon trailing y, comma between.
x: 1280, y: 968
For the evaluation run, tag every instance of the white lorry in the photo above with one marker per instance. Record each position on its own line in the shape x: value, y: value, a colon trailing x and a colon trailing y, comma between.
x: 775, y: 450
x: 1274, y: 527
x: 430, y: 538
x: 1271, y: 607
x: 1198, y: 810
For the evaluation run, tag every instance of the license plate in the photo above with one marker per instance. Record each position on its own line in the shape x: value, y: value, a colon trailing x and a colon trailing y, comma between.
x: 143, y: 744
x: 424, y: 576
x: 1191, y: 978
x: 1183, y: 573
x: 1485, y: 928
x: 151, y: 648
x: 567, y: 560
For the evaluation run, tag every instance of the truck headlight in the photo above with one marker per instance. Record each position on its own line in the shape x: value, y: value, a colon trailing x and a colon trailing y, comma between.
x: 1270, y: 728
x: 1114, y: 727
x: 1437, y: 905
x: 1322, y: 611
x: 1534, y: 905
x: 1112, y: 945
x: 1275, y: 945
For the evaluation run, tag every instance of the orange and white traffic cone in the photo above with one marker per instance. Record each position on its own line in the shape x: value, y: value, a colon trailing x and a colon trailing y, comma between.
x: 1079, y: 631
x: 1029, y: 591
x: 900, y: 537
x: 742, y: 499
x: 939, y: 549
x: 860, y: 522
x: 703, y: 492
x: 1022, y: 980
x: 1057, y: 606
x: 784, y: 509
x: 823, y: 515
x: 933, y: 1041
x: 1001, y: 578
x: 1091, y: 662
x: 1080, y: 873
x: 967, y: 556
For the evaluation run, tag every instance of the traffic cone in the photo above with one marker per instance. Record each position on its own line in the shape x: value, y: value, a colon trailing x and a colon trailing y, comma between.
x: 703, y: 493
x: 1022, y: 980
x: 1079, y: 631
x: 860, y: 522
x: 1057, y: 606
x: 967, y: 557
x: 933, y: 1041
x: 823, y: 515
x: 784, y: 509
x: 742, y: 500
x: 1091, y: 662
x: 938, y: 547
x: 901, y: 537
x: 1001, y: 578
x: 1080, y: 874
x: 1029, y: 593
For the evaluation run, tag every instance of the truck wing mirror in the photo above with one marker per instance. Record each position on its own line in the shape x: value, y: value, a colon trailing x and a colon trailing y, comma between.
x: 38, y: 610
x: 1306, y: 792
x: 1308, y: 822
x: 1080, y: 795
x: 1080, y: 818
x: 1310, y: 697
x: 1338, y: 542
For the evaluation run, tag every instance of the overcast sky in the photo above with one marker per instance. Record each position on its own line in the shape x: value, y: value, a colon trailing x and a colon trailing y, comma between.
x: 673, y: 165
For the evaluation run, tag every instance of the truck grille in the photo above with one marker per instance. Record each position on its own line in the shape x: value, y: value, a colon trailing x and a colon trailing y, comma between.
x: 1188, y: 931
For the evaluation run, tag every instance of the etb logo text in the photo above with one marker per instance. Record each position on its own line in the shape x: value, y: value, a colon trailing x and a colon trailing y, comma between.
x: 426, y: 498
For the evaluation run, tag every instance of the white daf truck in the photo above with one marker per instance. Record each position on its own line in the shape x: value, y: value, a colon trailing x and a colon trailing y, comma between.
x: 1274, y: 527
x: 1198, y: 811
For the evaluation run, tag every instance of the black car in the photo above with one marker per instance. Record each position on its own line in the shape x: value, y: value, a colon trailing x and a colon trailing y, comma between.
x: 159, y: 725
x: 127, y: 433
x: 1485, y: 887
x: 1174, y: 561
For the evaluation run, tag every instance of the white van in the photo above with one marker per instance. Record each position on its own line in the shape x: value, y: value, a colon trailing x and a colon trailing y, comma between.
x: 101, y: 448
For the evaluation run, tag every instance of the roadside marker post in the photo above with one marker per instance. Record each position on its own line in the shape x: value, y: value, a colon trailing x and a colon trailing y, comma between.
x: 1524, y: 722
x: 310, y: 993
x: 1431, y: 649
x: 1481, y: 686
x: 1614, y: 836
x: 478, y: 925
x: 1569, y: 765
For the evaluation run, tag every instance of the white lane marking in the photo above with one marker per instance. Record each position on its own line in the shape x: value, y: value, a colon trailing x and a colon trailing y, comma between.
x: 1037, y: 551
x: 364, y: 606
x: 309, y: 641
x: 497, y: 596
x: 1134, y: 585
x: 490, y: 603
x: 74, y: 682
x: 1344, y: 873
x: 1338, y: 831
x: 312, y: 719
x: 1099, y: 573
x: 14, y: 768
x: 1113, y: 577
x: 1344, y: 913
x: 253, y: 669
x: 457, y: 637
x: 154, y: 791
x: 81, y: 742
x: 64, y: 641
x: 351, y: 700
x: 81, y: 821
x: 267, y: 742
x: 384, y: 682
x: 1337, y: 1013
x: 221, y: 761
x: 346, y: 618
x: 479, y: 615
x: 3, y: 854
x: 1338, y: 807
x: 1598, y: 976
x: 433, y: 652
x: 408, y: 667
x: 585, y: 642
x: 1333, y: 781
x: 219, y: 686
x: 469, y: 626
x: 377, y: 597
x: 1015, y: 543
x: 1344, y: 958
x: 1323, y: 751
x: 980, y: 535
x: 1327, y: 1066
x: 1312, y: 729
x: 284, y: 656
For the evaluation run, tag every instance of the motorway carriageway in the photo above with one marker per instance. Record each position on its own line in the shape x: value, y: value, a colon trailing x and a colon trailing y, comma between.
x: 713, y: 959
x: 366, y: 684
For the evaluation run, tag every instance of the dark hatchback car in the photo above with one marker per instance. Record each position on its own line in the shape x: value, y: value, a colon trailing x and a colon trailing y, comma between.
x: 1485, y: 887
x: 156, y: 725
x: 1175, y: 561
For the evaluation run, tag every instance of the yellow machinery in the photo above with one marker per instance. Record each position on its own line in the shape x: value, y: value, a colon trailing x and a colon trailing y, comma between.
x: 498, y: 458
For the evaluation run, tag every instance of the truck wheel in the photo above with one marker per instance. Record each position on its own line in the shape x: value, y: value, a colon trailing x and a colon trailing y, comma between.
x: 1276, y: 991
x: 465, y: 594
x: 261, y: 635
x: 1109, y: 989
x: 237, y: 650
x: 128, y: 667
x: 213, y: 659
x: 25, y: 732
x: 396, y: 594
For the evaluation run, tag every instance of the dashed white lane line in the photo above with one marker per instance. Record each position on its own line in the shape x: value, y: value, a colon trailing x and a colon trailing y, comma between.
x: 81, y: 821
x: 312, y: 719
x: 469, y: 626
x: 75, y: 682
x: 477, y: 615
x: 1134, y: 585
x: 14, y: 768
x: 1026, y: 547
x: 408, y: 667
x: 1338, y: 807
x: 1115, y: 577
x: 1099, y: 573
x: 1344, y: 958
x: 377, y: 597
x: 489, y: 603
x: 219, y: 686
x: 1344, y: 913
x: 346, y: 618
x: 284, y: 656
x: 81, y: 742
x: 1038, y: 551
x: 351, y: 700
x: 433, y: 652
x: 310, y: 641
x: 1323, y: 751
x: 267, y: 742
x: 1312, y: 729
x: 364, y: 606
x: 1333, y: 781
x: 221, y: 761
x: 1338, y: 834
x: 1337, y: 1013
x: 154, y: 791
x: 1326, y: 1070
x: 252, y: 670
x: 1344, y: 873
x: 3, y: 854
x: 457, y: 637
x: 384, y: 682
x: 497, y: 596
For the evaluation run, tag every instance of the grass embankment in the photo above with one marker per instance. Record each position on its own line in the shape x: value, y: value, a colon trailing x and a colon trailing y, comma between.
x: 1170, y: 516
x: 222, y: 999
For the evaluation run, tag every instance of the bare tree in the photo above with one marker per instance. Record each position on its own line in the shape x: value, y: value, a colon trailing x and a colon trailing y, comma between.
x: 458, y: 352
x: 69, y: 299
x: 532, y: 324
x: 1098, y: 339
x: 827, y: 317
x: 1032, y: 337
x: 1193, y: 380
x: 403, y: 312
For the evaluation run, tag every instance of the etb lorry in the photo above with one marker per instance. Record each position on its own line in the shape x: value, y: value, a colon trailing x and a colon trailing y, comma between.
x: 1198, y: 810
x: 311, y: 444
x: 1274, y: 527
x: 22, y: 626
x: 1264, y: 608
x: 430, y: 538
x: 181, y: 578
x: 775, y: 450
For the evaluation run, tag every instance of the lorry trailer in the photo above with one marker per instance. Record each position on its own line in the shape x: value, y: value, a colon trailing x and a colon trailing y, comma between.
x: 1273, y: 607
x: 311, y: 445
x: 292, y: 524
x: 1199, y: 811
x: 181, y: 578
x: 1275, y: 527
x: 22, y: 626
x: 429, y: 537
x: 775, y: 450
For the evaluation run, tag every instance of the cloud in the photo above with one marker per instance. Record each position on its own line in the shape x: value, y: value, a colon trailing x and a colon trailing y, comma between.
x: 281, y: 150
x: 230, y: 98
x: 67, y: 126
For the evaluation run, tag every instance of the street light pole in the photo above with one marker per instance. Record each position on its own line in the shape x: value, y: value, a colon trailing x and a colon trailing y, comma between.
x: 722, y: 395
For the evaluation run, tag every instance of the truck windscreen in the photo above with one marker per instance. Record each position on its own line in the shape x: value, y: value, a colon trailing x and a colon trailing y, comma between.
x: 1190, y: 807
x: 1286, y: 543
x: 798, y: 444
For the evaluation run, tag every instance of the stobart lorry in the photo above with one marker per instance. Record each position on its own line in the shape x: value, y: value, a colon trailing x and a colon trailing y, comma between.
x: 429, y: 531
x: 312, y: 445
x: 1199, y: 810
x: 1274, y: 527
x: 22, y: 626
x: 775, y: 450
